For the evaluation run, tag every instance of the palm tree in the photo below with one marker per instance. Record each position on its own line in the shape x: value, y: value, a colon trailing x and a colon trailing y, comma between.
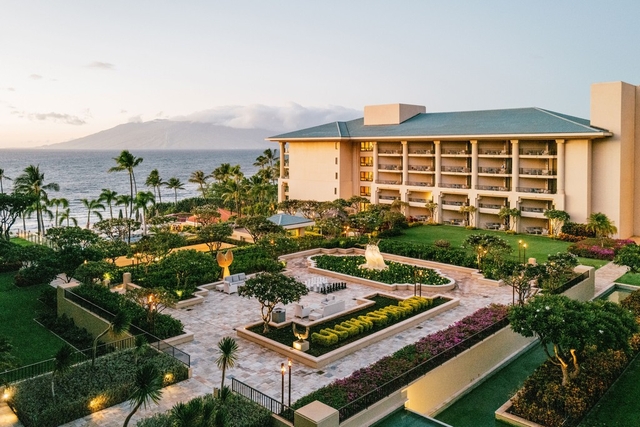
x: 117, y: 326
x: 109, y: 197
x: 601, y: 225
x: 231, y: 193
x: 31, y: 182
x: 147, y: 388
x: 222, y: 172
x: 154, y: 181
x: 228, y: 356
x: 2, y: 177
x: 142, y: 202
x: 61, y: 365
x: 126, y: 162
x: 92, y: 206
x: 175, y: 184
x: 66, y: 216
x: 198, y: 177
x: 57, y: 203
x: 124, y: 200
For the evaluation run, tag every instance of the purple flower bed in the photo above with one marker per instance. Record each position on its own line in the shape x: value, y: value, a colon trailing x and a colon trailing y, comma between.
x: 418, y: 358
x: 599, y: 248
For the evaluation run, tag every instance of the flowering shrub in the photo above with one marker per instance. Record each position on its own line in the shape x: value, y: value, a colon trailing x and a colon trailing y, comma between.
x: 396, y: 273
x: 467, y: 331
x: 598, y: 248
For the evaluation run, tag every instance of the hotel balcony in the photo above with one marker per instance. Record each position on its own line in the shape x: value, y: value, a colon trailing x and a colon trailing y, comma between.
x: 421, y: 153
x: 537, y: 152
x: 455, y: 169
x: 390, y: 167
x: 447, y: 185
x: 420, y: 183
x: 388, y: 152
x: 535, y: 190
x: 463, y: 153
x: 388, y: 181
x: 493, y: 153
x: 490, y: 206
x: 495, y: 171
x: 418, y: 168
x: 454, y: 203
x: 537, y: 172
x: 418, y: 199
x: 492, y: 188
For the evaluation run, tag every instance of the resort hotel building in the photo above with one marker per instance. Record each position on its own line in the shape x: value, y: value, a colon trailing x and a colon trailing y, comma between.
x: 527, y: 158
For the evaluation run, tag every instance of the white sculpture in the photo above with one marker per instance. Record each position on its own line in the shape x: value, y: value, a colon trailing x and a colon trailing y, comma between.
x: 374, y: 258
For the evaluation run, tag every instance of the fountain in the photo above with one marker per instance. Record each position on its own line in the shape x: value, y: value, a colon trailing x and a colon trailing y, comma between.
x: 374, y: 258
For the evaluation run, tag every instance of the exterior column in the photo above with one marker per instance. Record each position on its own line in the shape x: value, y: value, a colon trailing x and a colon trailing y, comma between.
x: 438, y: 162
x: 282, y: 145
x: 561, y: 170
x: 374, y: 184
x: 515, y: 164
x: 405, y: 162
x: 474, y: 164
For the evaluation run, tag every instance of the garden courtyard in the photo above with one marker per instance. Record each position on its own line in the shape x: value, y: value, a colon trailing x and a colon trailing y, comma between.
x: 220, y: 314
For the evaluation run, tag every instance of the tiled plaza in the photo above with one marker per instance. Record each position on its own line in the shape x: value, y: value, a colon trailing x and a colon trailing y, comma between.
x: 260, y: 368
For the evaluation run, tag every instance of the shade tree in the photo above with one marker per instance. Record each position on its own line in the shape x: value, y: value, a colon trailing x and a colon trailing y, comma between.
x: 556, y: 219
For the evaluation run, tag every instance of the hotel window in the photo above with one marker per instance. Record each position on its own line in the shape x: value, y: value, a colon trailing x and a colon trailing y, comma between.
x: 366, y: 161
x: 336, y: 160
x: 366, y: 176
x: 336, y: 175
x: 365, y: 191
x: 366, y: 146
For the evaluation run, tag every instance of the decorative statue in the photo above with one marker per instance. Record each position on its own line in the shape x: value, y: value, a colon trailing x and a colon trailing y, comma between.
x: 374, y: 258
x: 300, y: 335
x: 224, y: 261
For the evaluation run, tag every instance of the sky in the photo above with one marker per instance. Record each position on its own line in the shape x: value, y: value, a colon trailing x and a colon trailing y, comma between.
x: 73, y: 68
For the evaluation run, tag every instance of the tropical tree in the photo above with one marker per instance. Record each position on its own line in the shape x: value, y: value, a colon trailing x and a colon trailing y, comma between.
x: 200, y: 178
x: 486, y: 244
x: 31, y: 182
x: 11, y: 207
x: 175, y: 184
x: 57, y: 203
x: 142, y: 202
x: 154, y: 181
x: 118, y: 326
x: 510, y: 217
x: 228, y: 348
x: 222, y: 172
x: 62, y: 363
x: 124, y: 200
x: 629, y: 256
x: 147, y: 388
x: 258, y: 225
x: 65, y: 216
x: 126, y: 162
x: 522, y: 280
x: 271, y: 289
x: 153, y: 301
x: 556, y: 219
x: 469, y: 213
x: 92, y: 206
x: 601, y: 225
x: 566, y: 327
x: 2, y: 178
x: 109, y: 197
x: 214, y: 234
x: 432, y: 207
x: 232, y: 192
x: 206, y: 214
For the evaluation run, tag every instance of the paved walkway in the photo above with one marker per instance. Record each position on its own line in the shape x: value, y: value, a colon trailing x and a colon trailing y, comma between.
x: 260, y: 368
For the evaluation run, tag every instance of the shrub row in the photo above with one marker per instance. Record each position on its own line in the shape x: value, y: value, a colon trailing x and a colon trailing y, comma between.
x: 469, y: 330
x: 329, y: 336
x: 165, y: 325
x: 395, y: 273
x: 598, y: 248
x: 85, y: 390
x: 66, y: 329
x: 446, y: 255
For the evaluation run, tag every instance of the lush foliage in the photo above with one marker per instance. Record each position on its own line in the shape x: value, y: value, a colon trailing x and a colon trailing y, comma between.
x: 165, y: 325
x: 85, y: 390
x: 239, y: 412
x: 66, y: 329
x: 456, y: 338
x: 601, y: 248
x: 396, y: 273
x: 575, y: 231
x: 629, y: 256
x: 452, y: 255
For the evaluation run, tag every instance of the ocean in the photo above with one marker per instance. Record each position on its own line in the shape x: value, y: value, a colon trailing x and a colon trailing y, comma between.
x: 83, y: 173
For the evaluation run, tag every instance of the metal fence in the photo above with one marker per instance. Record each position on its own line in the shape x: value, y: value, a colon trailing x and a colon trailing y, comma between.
x: 273, y: 405
x: 367, y: 400
x: 153, y: 341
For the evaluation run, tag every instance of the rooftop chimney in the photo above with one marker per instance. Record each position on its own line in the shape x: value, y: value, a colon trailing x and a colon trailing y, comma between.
x: 390, y: 114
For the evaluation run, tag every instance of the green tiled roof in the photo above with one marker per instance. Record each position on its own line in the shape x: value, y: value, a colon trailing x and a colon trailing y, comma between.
x: 518, y: 121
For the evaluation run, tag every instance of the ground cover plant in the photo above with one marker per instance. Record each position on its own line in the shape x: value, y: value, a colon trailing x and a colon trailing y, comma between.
x: 201, y: 411
x: 427, y: 353
x: 286, y: 336
x: 395, y: 273
x: 164, y: 326
x: 84, y: 390
x: 629, y: 279
x: 18, y: 307
x: 599, y: 248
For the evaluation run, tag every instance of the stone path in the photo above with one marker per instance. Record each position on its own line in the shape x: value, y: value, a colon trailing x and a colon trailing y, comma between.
x: 260, y: 368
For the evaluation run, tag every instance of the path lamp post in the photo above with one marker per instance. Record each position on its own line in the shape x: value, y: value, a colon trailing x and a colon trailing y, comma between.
x: 290, y: 366
x: 524, y: 253
x: 282, y: 369
x: 520, y: 251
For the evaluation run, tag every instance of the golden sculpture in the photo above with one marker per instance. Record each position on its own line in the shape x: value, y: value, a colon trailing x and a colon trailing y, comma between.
x: 224, y: 261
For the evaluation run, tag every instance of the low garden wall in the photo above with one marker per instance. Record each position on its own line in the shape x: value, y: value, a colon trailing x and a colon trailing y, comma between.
x: 319, y: 362
x: 585, y: 290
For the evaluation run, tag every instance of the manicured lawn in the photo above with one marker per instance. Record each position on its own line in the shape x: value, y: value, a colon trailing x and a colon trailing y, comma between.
x: 619, y: 407
x: 20, y: 242
x: 538, y: 247
x: 630, y: 279
x: 18, y: 306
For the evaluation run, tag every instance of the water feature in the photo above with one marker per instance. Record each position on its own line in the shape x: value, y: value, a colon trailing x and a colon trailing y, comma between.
x: 617, y: 292
x: 405, y: 418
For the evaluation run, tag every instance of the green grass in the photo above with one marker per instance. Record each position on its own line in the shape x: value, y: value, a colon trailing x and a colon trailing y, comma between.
x: 538, y: 247
x: 619, y: 407
x: 18, y: 306
x: 630, y: 279
x: 21, y: 242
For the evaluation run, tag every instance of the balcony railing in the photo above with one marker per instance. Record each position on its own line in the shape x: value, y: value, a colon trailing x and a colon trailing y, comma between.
x: 465, y: 186
x: 457, y: 152
x: 457, y: 169
x: 390, y: 167
x: 537, y: 152
x: 494, y: 152
x: 417, y: 200
x: 530, y: 209
x: 530, y: 171
x: 454, y: 203
x: 388, y: 182
x: 535, y: 190
x: 494, y: 170
x: 390, y: 152
x: 420, y: 183
x: 421, y: 152
x: 492, y: 187
x: 389, y: 197
x: 490, y: 206
x: 421, y: 168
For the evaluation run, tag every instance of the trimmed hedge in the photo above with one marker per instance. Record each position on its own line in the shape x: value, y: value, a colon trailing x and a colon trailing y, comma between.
x: 85, y: 390
x: 165, y: 325
x: 454, y: 256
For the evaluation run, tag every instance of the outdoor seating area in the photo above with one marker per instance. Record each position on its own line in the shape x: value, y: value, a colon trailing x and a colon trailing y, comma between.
x: 231, y: 283
x: 537, y: 230
x: 494, y: 226
x: 330, y: 305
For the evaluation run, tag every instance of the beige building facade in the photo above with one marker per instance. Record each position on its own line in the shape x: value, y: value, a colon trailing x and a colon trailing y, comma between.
x: 530, y: 159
